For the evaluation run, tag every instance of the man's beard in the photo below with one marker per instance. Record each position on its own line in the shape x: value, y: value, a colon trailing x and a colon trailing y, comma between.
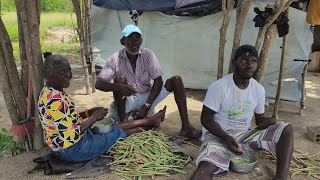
x: 242, y: 76
x: 132, y: 53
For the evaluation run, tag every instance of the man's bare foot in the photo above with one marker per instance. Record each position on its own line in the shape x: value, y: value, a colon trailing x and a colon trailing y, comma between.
x: 158, y: 117
x: 190, y: 132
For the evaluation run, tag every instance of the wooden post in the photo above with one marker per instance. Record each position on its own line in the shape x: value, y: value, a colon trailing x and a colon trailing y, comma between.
x: 76, y: 5
x: 93, y: 67
x: 278, y: 95
x: 303, y: 90
x: 265, y: 51
x: 227, y: 12
x: 242, y: 11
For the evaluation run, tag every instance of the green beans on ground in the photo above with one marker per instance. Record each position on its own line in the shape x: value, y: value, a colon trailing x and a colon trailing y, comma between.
x: 146, y: 154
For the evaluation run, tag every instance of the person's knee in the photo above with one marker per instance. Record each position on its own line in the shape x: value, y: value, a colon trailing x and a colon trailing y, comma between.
x: 288, y: 130
x: 207, y: 168
x: 120, y: 79
x: 176, y: 78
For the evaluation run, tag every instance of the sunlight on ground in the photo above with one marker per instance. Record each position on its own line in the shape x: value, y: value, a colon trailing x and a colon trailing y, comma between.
x: 312, y: 89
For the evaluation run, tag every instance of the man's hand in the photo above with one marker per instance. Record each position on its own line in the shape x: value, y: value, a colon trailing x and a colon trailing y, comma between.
x: 233, y: 146
x: 265, y: 125
x: 99, y: 114
x: 126, y: 89
x: 142, y: 112
x: 263, y: 122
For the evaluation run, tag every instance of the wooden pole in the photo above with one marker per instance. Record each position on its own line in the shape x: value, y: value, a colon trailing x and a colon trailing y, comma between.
x: 227, y: 12
x: 265, y: 51
x: 278, y: 95
x: 93, y: 67
x: 303, y: 90
x: 242, y: 11
x: 77, y: 9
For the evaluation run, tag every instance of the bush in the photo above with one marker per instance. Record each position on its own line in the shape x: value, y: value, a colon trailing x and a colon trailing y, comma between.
x: 7, y: 6
x: 8, y: 147
x: 56, y: 6
x: 46, y: 6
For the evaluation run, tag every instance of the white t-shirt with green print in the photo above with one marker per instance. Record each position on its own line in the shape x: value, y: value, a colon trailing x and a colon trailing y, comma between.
x: 234, y: 107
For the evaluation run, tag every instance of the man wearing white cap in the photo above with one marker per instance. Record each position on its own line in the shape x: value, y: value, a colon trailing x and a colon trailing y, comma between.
x: 137, y: 83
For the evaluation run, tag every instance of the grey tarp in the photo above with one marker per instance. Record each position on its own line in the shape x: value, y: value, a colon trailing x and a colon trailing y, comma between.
x: 189, y: 46
x: 144, y: 5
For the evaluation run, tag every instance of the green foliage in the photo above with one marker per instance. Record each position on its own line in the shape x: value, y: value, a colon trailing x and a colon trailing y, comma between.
x: 56, y: 6
x: 7, y: 5
x: 63, y: 48
x: 7, y: 144
x: 74, y: 39
x: 48, y: 20
x: 46, y: 6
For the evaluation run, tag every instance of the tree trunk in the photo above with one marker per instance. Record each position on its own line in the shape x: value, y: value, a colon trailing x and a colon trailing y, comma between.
x: 30, y: 20
x: 76, y: 5
x: 5, y: 83
x: 265, y: 51
x: 227, y: 12
x: 242, y: 11
x: 14, y: 80
x: 23, y: 57
x: 37, y: 67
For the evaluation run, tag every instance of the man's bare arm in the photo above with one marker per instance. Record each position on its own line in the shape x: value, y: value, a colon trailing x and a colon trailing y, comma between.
x: 107, y: 86
x: 155, y: 89
x: 264, y: 122
x: 207, y: 120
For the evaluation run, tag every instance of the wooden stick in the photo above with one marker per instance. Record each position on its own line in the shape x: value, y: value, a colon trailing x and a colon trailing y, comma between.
x: 227, y: 12
x: 283, y: 50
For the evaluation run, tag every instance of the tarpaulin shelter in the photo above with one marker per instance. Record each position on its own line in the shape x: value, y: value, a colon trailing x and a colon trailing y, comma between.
x: 188, y: 45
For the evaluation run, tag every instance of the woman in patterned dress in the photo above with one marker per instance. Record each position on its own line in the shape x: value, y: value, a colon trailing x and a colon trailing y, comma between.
x: 67, y: 132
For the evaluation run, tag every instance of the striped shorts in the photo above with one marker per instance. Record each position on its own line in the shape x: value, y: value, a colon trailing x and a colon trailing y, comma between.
x: 215, y: 151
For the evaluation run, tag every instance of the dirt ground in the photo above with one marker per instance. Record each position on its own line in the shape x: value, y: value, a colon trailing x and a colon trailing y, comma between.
x: 17, y: 167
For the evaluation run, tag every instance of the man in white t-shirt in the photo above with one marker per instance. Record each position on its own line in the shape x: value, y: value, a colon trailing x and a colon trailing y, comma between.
x: 228, y: 108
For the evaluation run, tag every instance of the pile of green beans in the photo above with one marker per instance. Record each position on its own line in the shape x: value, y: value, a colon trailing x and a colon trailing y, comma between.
x: 146, y: 154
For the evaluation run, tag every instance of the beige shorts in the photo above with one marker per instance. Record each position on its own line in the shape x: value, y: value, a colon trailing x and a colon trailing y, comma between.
x: 134, y: 102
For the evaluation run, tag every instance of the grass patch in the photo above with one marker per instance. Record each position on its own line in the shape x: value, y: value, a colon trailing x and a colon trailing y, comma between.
x: 63, y: 48
x: 47, y: 20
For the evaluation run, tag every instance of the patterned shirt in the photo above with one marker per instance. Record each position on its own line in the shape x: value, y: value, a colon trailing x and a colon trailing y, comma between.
x: 59, y: 118
x: 147, y: 69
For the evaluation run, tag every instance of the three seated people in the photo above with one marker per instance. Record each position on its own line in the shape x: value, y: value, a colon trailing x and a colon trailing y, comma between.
x: 227, y: 112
